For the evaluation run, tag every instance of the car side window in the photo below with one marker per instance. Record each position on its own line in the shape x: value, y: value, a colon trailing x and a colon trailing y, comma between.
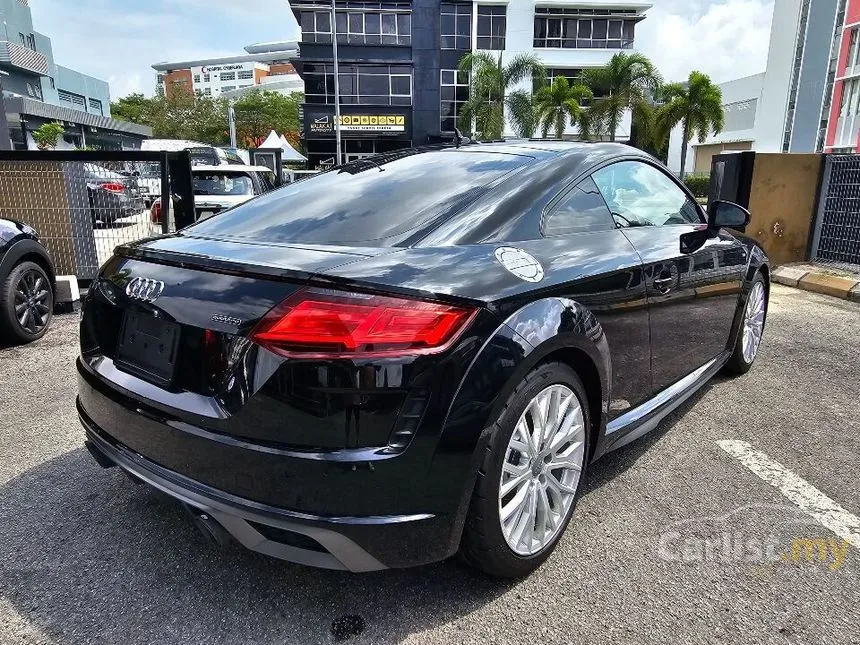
x: 638, y: 194
x: 581, y: 210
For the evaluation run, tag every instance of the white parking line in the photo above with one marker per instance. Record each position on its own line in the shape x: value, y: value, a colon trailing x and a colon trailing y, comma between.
x: 803, y: 494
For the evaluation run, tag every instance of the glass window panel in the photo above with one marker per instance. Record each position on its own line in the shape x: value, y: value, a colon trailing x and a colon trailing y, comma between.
x: 499, y: 27
x: 464, y: 42
x: 404, y: 24
x: 447, y: 27
x: 323, y: 20
x: 613, y: 44
x: 447, y: 92
x: 307, y: 22
x: 356, y: 23
x: 485, y: 42
x: 447, y: 77
x: 629, y: 27
x: 340, y: 23
x: 554, y: 28
x: 461, y: 94
x: 464, y: 26
x: 389, y: 23
x: 401, y: 85
x: 599, y: 28
x: 371, y: 23
x: 615, y: 29
x: 540, y: 28
x: 449, y: 42
x: 484, y: 25
x: 373, y: 85
x: 582, y: 210
x: 584, y: 30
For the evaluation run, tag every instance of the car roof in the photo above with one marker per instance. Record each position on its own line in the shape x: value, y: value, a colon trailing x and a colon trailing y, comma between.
x: 232, y: 167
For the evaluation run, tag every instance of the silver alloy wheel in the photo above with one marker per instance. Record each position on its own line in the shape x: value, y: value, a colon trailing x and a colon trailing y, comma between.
x: 753, y: 322
x: 541, y: 471
x: 31, y: 298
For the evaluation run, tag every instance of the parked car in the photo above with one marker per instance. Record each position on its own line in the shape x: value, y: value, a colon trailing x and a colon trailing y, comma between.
x: 217, y: 188
x: 416, y: 354
x: 27, y: 279
x: 111, y: 195
x: 149, y: 181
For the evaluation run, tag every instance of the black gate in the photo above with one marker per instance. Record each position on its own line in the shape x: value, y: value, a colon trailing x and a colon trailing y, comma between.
x: 85, y: 203
x: 836, y: 235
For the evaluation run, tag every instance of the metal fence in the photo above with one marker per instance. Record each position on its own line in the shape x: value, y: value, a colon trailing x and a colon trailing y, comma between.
x: 836, y: 234
x: 83, y: 204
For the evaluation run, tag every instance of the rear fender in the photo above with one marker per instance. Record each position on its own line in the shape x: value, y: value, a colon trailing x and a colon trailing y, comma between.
x: 523, y: 341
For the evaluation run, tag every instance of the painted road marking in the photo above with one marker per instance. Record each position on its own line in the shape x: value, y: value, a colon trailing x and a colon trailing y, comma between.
x: 803, y: 494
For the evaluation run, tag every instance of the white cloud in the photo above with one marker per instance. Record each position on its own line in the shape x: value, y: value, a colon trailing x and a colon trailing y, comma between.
x: 118, y: 42
x: 725, y: 40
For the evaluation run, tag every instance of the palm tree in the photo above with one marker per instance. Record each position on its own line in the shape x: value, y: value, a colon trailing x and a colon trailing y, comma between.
x: 625, y: 82
x: 522, y: 112
x: 560, y: 104
x: 490, y: 81
x: 697, y: 105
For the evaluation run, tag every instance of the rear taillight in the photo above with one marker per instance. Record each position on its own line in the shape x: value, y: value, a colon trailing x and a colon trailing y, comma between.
x: 113, y: 187
x: 323, y: 323
x: 155, y: 213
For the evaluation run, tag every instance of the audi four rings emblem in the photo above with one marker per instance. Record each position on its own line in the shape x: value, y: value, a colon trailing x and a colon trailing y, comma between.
x: 144, y: 289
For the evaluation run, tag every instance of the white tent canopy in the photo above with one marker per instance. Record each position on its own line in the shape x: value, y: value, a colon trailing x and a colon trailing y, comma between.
x: 288, y: 153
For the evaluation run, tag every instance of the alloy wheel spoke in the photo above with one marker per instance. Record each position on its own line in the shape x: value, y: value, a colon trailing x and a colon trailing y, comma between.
x: 515, y: 482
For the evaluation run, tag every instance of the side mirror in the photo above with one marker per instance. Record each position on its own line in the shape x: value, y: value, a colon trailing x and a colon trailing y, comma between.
x: 722, y: 214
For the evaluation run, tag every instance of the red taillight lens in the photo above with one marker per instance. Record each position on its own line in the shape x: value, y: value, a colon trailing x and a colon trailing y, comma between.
x: 316, y: 322
x: 114, y: 188
x: 155, y: 213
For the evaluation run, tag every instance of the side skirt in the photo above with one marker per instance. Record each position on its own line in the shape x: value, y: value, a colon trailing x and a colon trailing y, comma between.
x: 641, y: 420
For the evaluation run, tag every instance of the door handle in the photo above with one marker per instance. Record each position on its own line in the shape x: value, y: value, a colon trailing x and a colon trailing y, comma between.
x: 664, y: 285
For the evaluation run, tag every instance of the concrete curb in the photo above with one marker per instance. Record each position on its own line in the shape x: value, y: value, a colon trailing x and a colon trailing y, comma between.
x: 801, y: 277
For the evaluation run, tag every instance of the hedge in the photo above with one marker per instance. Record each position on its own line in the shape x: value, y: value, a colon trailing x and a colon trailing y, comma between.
x: 698, y: 184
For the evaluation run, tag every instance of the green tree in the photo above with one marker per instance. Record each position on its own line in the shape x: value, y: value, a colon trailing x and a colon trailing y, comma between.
x: 135, y: 108
x: 626, y: 82
x: 490, y: 82
x: 47, y: 135
x: 560, y: 104
x: 697, y: 105
x: 260, y: 112
x: 522, y: 112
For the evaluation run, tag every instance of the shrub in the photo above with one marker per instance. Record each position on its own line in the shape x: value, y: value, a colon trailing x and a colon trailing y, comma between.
x: 698, y: 184
x: 47, y: 135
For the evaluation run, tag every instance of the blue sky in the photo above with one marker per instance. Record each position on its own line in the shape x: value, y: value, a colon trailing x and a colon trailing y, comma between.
x: 118, y: 40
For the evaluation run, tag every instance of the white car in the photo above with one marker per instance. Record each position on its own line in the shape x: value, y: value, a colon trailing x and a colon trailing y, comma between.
x: 217, y: 188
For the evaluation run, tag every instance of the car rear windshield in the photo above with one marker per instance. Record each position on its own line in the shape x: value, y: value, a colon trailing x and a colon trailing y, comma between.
x: 376, y: 201
x: 222, y: 183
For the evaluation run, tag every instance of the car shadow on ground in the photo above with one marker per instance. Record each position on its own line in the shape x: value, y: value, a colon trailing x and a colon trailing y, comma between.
x: 88, y: 555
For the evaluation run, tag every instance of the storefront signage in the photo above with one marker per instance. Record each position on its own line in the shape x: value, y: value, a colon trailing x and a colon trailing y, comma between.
x: 324, y: 124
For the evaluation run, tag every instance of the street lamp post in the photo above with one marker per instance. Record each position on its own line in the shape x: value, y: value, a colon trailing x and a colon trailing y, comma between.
x: 338, y: 159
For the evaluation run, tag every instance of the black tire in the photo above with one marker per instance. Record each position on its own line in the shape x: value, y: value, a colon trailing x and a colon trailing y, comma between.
x: 9, y: 321
x: 737, y: 364
x: 483, y: 545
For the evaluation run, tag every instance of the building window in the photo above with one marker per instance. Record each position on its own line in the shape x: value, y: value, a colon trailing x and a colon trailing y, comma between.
x: 76, y: 100
x: 228, y: 88
x: 208, y: 91
x: 245, y: 74
x: 795, y: 75
x: 96, y: 106
x: 207, y: 78
x: 454, y: 89
x: 31, y: 42
x: 584, y: 28
x: 34, y: 90
x: 491, y: 26
x: 851, y: 61
x: 197, y: 78
x: 244, y: 85
x: 23, y: 39
x: 456, y: 27
x: 359, y: 84
x: 392, y: 25
x: 228, y: 76
x: 53, y: 84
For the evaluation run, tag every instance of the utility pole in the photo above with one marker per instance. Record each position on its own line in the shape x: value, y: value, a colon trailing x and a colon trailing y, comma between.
x: 338, y: 159
x: 231, y: 122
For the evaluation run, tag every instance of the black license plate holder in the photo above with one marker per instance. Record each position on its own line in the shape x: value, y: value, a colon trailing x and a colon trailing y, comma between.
x: 148, y: 347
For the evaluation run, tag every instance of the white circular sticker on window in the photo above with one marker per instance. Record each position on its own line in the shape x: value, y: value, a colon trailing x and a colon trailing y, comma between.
x: 521, y: 264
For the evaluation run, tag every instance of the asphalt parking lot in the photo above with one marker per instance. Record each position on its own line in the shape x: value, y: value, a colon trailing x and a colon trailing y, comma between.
x: 675, y: 540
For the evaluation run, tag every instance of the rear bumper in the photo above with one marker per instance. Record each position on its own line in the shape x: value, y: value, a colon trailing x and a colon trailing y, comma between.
x: 242, y: 486
x: 356, y: 544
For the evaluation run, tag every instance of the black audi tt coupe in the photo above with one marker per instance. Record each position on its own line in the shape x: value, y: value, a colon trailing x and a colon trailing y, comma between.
x: 416, y: 354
